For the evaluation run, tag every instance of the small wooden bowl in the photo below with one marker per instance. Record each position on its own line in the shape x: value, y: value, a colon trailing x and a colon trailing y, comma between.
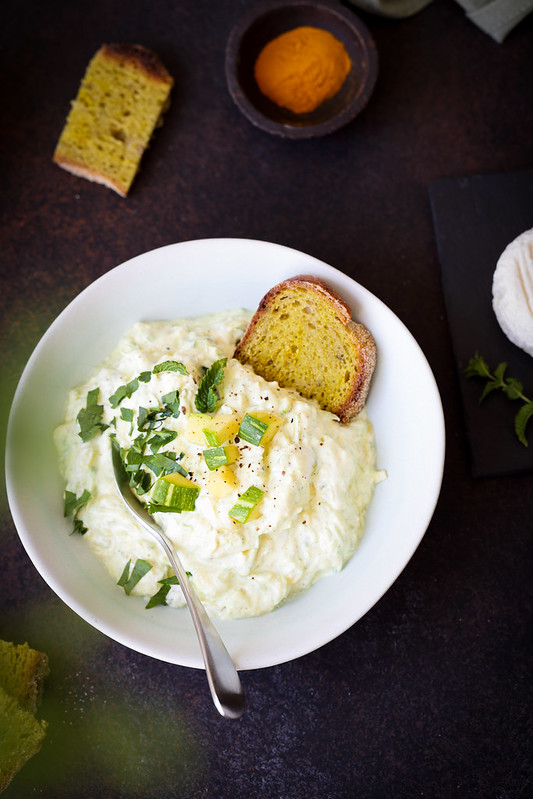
x: 269, y: 20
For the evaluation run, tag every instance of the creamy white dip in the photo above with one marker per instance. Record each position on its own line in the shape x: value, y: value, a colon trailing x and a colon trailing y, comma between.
x: 317, y: 475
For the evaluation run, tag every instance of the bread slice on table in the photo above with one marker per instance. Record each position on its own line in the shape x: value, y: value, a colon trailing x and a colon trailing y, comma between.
x: 303, y: 337
x: 22, y: 674
x: 122, y: 98
x: 21, y: 737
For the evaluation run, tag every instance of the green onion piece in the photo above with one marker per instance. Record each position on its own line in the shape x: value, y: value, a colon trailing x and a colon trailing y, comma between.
x: 246, y: 503
x: 215, y: 457
x: 171, y: 498
x: 129, y: 581
x: 252, y: 430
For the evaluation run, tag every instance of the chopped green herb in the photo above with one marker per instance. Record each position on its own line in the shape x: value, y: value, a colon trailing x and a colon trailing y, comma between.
x: 159, y: 598
x: 126, y: 414
x: 207, y: 395
x: 511, y: 387
x: 90, y: 417
x: 74, y: 503
x: 161, y: 438
x: 79, y: 527
x: 122, y: 392
x: 152, y: 418
x: 215, y: 457
x: 170, y: 366
x: 145, y: 377
x: 171, y: 402
x: 246, y: 503
x: 252, y: 430
x: 128, y: 580
x: 164, y: 462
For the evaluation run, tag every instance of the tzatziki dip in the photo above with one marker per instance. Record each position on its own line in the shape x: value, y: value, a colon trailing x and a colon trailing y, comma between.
x: 260, y: 491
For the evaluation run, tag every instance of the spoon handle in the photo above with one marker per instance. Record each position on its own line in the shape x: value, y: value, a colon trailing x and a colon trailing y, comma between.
x: 222, y: 676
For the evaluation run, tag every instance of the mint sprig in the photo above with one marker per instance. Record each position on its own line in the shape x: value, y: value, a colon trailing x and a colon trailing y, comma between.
x: 207, y: 395
x: 511, y: 387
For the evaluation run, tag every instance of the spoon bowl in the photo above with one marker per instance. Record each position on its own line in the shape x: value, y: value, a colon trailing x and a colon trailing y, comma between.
x: 222, y: 676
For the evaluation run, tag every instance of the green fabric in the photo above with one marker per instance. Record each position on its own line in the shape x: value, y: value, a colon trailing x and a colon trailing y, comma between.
x: 495, y: 17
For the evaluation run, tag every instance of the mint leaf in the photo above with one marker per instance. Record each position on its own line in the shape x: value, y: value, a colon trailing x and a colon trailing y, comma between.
x: 207, y: 395
x: 511, y: 387
x: 521, y: 419
x: 170, y: 366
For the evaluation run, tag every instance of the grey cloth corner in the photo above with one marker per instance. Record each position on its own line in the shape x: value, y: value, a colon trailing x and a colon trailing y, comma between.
x: 495, y: 17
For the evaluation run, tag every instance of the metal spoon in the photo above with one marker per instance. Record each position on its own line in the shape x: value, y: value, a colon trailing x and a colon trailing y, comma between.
x: 222, y: 676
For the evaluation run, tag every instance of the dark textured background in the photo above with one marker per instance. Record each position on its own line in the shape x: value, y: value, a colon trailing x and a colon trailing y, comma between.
x: 429, y: 694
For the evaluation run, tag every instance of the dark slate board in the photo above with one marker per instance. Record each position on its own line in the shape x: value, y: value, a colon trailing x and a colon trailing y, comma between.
x: 474, y: 220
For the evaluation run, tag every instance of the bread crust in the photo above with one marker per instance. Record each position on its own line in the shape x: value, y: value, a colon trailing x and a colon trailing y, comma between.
x: 360, y: 378
x: 144, y: 59
x: 82, y: 171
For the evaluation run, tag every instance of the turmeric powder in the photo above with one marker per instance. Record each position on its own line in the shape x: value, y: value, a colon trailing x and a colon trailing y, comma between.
x: 301, y: 68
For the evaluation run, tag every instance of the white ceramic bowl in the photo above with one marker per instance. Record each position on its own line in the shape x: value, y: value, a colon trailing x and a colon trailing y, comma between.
x: 189, y: 279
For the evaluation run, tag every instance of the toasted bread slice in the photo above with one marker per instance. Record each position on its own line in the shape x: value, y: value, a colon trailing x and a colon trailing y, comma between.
x: 122, y: 98
x: 21, y: 736
x: 302, y: 336
x: 22, y: 673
